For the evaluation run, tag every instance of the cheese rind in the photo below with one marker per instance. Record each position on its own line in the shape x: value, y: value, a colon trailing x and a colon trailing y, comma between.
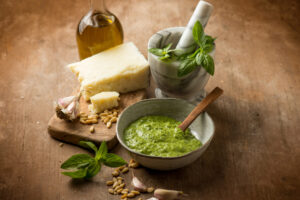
x: 122, y: 68
x: 103, y: 101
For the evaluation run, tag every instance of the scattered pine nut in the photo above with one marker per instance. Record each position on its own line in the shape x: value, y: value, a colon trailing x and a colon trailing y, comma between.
x: 125, y: 170
x: 113, y: 119
x: 124, y: 196
x: 130, y: 195
x: 124, y: 191
x: 111, y: 191
x: 134, y: 165
x: 61, y: 144
x: 119, y: 191
x: 109, y: 183
x: 120, y: 178
x: 115, y: 185
x: 108, y: 125
x: 122, y: 167
x: 135, y: 192
x: 150, y: 189
x: 92, y: 129
x: 115, y: 173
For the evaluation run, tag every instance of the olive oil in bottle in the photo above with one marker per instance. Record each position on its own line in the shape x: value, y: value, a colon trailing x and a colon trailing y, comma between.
x: 98, y: 30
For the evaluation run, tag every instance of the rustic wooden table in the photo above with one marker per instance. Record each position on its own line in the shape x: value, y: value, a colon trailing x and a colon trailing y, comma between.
x: 255, y: 153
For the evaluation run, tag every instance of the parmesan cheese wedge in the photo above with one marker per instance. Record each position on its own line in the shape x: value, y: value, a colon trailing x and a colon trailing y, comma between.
x: 122, y: 68
x: 103, y: 101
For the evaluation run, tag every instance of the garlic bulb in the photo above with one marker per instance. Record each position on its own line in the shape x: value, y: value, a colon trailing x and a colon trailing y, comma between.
x: 67, y: 108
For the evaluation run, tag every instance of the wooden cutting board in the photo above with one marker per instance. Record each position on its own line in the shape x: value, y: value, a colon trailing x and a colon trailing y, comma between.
x: 73, y: 132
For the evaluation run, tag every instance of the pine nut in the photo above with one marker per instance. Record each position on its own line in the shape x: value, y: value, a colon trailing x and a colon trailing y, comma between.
x: 92, y: 129
x: 111, y: 191
x: 113, y: 119
x: 124, y: 191
x: 109, y: 183
x: 150, y: 189
x: 115, y: 185
x: 115, y: 173
x: 135, y: 192
x: 130, y: 195
x: 119, y: 191
x: 106, y: 120
x: 125, y: 170
x: 108, y: 125
x: 134, y: 165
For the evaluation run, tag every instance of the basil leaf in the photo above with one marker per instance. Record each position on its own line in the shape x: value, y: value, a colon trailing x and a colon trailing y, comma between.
x: 208, y: 64
x: 93, y: 169
x: 186, y: 67
x: 88, y: 145
x: 165, y: 57
x: 208, y: 48
x: 166, y: 48
x: 198, y: 33
x: 102, y: 151
x: 81, y: 173
x: 194, y: 54
x: 113, y: 160
x: 199, y: 58
x: 77, y: 161
x: 208, y: 39
x: 156, y: 51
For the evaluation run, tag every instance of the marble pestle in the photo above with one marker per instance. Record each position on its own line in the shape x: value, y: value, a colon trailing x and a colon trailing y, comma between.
x: 202, y: 13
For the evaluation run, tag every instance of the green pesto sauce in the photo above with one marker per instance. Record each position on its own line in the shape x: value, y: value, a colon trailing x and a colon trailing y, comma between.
x: 159, y: 136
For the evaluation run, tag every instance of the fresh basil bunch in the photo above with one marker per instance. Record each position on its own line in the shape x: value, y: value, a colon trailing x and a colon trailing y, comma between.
x: 87, y: 166
x: 199, y: 57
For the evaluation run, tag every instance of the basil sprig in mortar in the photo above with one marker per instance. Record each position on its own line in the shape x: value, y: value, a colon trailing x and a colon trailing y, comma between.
x: 199, y: 57
x: 87, y: 166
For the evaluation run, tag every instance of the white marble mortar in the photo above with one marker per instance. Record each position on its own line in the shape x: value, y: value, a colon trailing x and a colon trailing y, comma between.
x: 189, y: 87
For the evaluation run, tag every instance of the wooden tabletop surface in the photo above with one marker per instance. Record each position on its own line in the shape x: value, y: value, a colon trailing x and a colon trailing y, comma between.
x: 255, y: 153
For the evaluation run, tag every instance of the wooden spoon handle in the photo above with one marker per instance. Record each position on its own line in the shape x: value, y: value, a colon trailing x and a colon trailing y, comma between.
x: 212, y: 96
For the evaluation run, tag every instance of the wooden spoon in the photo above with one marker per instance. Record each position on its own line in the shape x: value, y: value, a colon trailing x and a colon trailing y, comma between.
x: 212, y: 96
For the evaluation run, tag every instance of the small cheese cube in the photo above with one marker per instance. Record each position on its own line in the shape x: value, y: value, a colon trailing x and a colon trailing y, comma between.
x: 103, y: 101
x: 122, y: 69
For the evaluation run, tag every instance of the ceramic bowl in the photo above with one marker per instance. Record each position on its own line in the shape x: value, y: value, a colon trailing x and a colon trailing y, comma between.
x: 203, y: 129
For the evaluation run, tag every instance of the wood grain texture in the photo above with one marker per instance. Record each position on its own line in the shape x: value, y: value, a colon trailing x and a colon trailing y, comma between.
x: 75, y: 132
x: 255, y: 153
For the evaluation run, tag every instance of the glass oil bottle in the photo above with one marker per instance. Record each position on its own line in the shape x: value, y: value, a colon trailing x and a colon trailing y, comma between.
x: 98, y: 30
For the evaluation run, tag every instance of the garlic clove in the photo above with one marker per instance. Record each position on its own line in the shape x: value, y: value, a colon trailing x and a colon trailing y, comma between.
x: 67, y: 108
x: 64, y: 102
x: 138, y: 185
x: 153, y: 198
x: 164, y: 194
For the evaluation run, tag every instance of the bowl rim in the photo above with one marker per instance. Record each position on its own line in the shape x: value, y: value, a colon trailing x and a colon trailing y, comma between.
x: 161, y: 157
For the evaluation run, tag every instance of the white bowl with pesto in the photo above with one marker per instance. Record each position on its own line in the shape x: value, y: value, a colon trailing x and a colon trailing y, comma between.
x: 203, y: 129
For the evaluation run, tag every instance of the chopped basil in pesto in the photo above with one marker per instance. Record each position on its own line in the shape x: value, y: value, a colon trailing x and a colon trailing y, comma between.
x: 159, y: 136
